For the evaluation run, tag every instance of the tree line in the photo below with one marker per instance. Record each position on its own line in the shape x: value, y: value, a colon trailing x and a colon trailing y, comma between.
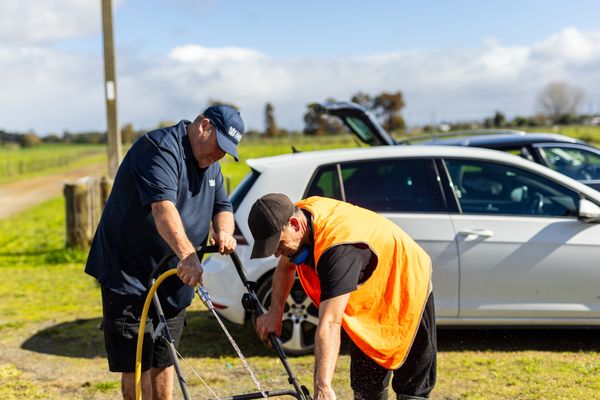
x: 557, y: 103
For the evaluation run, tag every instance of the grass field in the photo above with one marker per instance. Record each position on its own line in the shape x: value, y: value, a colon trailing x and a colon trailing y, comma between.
x: 17, y: 163
x: 21, y: 163
x: 260, y: 147
x: 51, y: 347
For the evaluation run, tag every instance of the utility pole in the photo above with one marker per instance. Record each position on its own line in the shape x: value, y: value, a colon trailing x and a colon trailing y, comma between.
x: 113, y: 133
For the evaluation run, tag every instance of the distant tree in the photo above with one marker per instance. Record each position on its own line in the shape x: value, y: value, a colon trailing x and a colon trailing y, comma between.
x: 7, y: 137
x: 429, y: 128
x: 270, y: 124
x: 316, y: 123
x: 387, y: 106
x: 363, y: 99
x: 312, y: 120
x: 559, y: 99
x: 537, y: 120
x: 29, y: 139
x: 248, y: 133
x: 128, y: 134
x: 499, y: 119
x: 519, y: 121
x: 52, y: 138
x: 165, y: 124
x: 89, y: 137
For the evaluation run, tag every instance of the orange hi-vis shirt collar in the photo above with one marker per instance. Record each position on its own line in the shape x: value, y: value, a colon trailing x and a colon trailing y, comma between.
x: 383, y: 314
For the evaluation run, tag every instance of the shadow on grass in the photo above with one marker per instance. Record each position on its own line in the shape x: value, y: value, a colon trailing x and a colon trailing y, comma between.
x: 203, y: 337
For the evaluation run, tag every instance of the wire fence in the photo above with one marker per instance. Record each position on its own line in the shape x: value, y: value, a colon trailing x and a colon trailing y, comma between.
x: 10, y: 168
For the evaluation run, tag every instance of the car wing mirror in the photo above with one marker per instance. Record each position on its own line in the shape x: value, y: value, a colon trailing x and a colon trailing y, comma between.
x: 588, y: 211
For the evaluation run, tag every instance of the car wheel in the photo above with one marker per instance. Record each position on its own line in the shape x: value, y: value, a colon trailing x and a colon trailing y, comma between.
x: 300, y: 318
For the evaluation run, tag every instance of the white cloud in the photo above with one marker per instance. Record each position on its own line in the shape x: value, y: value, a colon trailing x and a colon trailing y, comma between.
x: 46, y: 21
x: 47, y: 90
x: 450, y: 84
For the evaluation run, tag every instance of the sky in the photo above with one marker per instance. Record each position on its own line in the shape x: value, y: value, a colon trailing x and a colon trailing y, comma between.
x: 453, y: 61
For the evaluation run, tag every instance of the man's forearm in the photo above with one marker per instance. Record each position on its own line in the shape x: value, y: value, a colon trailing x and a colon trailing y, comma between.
x: 171, y: 229
x: 327, y: 344
x: 223, y: 221
x: 327, y: 348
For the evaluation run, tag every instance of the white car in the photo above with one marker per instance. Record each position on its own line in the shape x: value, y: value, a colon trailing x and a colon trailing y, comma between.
x: 512, y: 242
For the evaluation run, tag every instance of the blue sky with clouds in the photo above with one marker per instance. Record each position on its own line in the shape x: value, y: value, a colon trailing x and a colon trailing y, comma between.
x: 453, y: 60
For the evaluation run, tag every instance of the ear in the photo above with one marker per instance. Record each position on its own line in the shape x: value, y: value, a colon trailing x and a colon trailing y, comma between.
x: 295, y: 223
x: 204, y: 124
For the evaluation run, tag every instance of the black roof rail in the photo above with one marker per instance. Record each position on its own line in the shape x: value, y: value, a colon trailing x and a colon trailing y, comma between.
x: 472, y: 132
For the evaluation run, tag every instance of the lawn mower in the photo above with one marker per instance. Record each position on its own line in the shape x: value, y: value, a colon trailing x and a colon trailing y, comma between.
x: 161, y: 332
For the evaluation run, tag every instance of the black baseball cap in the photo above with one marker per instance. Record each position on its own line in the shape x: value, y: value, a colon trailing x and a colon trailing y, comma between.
x: 268, y: 215
x: 229, y: 125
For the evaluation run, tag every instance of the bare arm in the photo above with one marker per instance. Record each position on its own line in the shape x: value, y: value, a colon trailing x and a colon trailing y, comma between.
x: 327, y: 344
x: 223, y: 226
x: 283, y: 280
x: 170, y: 227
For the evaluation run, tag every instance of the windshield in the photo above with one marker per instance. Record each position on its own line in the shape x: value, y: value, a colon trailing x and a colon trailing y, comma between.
x: 242, y: 189
x: 574, y: 162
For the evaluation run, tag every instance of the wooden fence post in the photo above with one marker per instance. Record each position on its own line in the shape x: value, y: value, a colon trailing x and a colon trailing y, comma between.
x: 105, y: 188
x: 83, y: 205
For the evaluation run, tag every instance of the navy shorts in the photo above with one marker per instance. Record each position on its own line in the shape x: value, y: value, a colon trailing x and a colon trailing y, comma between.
x: 120, y: 321
x: 414, y: 379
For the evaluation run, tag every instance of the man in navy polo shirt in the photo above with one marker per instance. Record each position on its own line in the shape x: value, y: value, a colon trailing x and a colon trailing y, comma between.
x: 167, y: 191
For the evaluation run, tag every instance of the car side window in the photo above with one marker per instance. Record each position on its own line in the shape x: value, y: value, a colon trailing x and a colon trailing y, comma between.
x: 406, y: 185
x: 574, y: 162
x: 492, y: 188
x: 326, y: 183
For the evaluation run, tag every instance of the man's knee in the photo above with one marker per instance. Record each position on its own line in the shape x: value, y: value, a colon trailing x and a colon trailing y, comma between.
x: 162, y: 382
x: 128, y: 385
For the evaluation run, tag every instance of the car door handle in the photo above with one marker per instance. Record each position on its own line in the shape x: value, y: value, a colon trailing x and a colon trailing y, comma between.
x: 472, y: 234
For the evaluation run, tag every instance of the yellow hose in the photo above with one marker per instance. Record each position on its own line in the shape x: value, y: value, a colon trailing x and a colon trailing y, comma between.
x: 142, y: 329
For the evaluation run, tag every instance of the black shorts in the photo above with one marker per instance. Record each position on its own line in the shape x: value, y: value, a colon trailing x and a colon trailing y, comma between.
x: 412, y: 380
x: 120, y: 321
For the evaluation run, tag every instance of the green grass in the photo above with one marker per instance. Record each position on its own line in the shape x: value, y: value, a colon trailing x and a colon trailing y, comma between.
x: 263, y: 147
x: 584, y: 132
x: 52, y: 347
x: 14, y: 386
x: 21, y: 163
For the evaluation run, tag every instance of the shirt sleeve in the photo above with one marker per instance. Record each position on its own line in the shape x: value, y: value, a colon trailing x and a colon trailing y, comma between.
x: 155, y: 171
x: 341, y: 268
x: 222, y: 202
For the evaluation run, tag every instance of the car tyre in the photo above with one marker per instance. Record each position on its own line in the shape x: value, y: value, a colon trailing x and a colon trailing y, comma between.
x: 300, y: 318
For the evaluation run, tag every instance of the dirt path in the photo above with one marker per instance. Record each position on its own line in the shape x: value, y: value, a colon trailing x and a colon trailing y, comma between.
x: 20, y: 195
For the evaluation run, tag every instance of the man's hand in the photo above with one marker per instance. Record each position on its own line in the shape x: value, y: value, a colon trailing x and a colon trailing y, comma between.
x: 225, y: 241
x: 268, y: 323
x: 189, y: 270
x: 324, y: 393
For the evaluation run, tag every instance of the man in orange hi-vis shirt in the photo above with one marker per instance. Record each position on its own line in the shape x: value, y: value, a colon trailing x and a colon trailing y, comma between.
x: 366, y: 275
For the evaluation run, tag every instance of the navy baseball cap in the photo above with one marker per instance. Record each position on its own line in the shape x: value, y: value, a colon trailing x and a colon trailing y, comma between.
x: 230, y: 127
